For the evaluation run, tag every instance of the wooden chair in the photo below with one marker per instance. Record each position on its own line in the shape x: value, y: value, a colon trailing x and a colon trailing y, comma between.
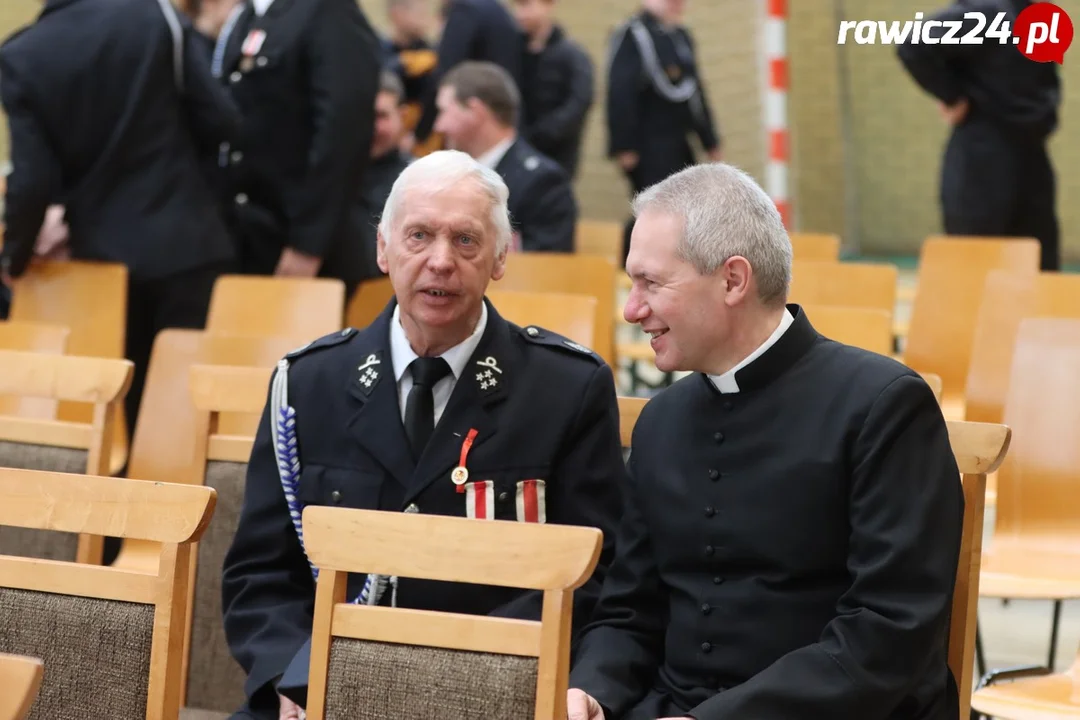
x: 1034, y: 552
x: 934, y: 381
x: 370, y: 299
x: 629, y: 411
x: 952, y: 273
x: 46, y: 338
x: 213, y: 681
x: 858, y: 285
x: 20, y: 678
x: 1033, y: 694
x: 866, y: 328
x: 377, y: 662
x: 89, y: 298
x: 60, y: 445
x: 600, y: 237
x: 568, y: 273
x: 573, y: 316
x: 164, y: 444
x: 109, y: 639
x: 815, y: 246
x: 255, y: 305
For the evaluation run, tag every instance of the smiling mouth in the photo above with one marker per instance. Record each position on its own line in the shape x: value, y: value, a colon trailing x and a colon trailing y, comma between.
x: 656, y: 333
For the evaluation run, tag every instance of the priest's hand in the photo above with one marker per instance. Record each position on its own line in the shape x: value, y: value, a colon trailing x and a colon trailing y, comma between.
x: 580, y: 706
x: 956, y: 113
x: 294, y: 263
x: 289, y: 710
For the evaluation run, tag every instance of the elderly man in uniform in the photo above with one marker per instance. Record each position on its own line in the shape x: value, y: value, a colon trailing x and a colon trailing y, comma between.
x: 794, y: 512
x: 479, y: 109
x: 380, y: 418
x: 656, y: 98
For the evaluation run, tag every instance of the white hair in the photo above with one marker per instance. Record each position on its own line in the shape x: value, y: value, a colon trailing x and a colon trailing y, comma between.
x: 725, y: 213
x: 444, y: 169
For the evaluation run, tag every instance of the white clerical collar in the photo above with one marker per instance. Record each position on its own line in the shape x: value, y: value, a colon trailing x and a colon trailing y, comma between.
x: 726, y: 383
x: 261, y: 6
x: 457, y: 357
x: 494, y: 156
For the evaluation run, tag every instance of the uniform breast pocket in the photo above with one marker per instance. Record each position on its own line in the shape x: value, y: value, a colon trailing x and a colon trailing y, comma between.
x: 508, y: 495
x: 344, y: 487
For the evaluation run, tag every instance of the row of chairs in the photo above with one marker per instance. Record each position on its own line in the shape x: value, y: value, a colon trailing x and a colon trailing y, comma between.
x: 169, y: 610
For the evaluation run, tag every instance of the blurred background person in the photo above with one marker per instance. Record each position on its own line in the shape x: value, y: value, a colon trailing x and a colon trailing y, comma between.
x: 557, y: 90
x: 656, y: 98
x: 412, y: 55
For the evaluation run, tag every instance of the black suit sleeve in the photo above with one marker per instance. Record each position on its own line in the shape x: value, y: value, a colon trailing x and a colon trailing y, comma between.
x: 35, y: 181
x: 906, y: 514
x: 938, y: 68
x: 343, y: 63
x: 586, y: 489
x: 623, y: 645
x: 268, y: 594
x: 548, y: 218
x: 700, y: 108
x: 564, y: 122
x: 462, y: 28
x: 623, y: 94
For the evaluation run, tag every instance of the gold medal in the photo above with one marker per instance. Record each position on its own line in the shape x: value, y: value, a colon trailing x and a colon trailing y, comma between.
x: 459, y: 476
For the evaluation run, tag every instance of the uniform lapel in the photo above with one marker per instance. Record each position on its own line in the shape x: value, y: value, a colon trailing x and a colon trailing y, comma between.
x: 473, y: 405
x: 234, y: 43
x: 376, y: 424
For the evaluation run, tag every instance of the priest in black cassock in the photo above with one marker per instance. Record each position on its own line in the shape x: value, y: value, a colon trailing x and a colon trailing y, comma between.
x: 790, y: 542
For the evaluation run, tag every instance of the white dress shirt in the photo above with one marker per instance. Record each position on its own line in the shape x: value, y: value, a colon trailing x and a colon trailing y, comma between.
x: 726, y: 383
x: 261, y: 6
x: 494, y: 156
x: 457, y: 357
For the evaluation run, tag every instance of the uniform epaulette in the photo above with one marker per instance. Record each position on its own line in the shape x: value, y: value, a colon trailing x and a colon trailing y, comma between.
x: 540, y: 336
x: 330, y: 340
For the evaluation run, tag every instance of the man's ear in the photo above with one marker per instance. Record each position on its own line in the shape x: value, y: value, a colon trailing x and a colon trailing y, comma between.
x: 380, y: 253
x: 499, y: 268
x: 736, y: 275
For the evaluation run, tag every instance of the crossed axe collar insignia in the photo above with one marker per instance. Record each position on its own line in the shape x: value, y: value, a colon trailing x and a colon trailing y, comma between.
x: 369, y: 373
x: 488, y: 375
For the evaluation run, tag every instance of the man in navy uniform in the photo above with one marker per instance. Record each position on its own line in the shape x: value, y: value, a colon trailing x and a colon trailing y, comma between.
x: 305, y: 74
x: 479, y: 108
x: 381, y: 417
x: 110, y: 105
x: 794, y: 516
x: 656, y: 98
x: 996, y: 178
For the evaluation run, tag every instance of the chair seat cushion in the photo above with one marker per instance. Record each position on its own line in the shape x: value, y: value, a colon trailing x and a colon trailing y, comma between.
x: 195, y: 714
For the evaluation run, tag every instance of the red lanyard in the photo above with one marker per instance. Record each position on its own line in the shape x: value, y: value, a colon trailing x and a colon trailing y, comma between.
x: 461, y: 473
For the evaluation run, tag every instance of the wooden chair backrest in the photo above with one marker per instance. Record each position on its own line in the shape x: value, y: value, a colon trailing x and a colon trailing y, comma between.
x: 174, y: 516
x: 934, y: 381
x: 629, y: 411
x: 600, y: 237
x: 568, y: 273
x: 340, y: 541
x: 979, y: 449
x: 952, y: 273
x: 815, y: 246
x: 1007, y: 299
x: 45, y: 338
x: 256, y: 305
x: 369, y: 299
x: 212, y: 680
x: 165, y: 438
x: 573, y: 316
x: 1038, y: 488
x: 20, y: 677
x: 99, y: 382
x: 859, y: 285
x: 861, y: 327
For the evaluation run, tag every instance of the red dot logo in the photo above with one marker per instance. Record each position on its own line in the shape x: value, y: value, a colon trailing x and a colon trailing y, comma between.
x: 1043, y: 32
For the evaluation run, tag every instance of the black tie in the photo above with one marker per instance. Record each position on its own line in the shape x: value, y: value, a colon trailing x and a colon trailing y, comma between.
x: 420, y: 406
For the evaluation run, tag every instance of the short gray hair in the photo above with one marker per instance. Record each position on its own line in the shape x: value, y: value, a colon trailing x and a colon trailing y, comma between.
x: 443, y: 169
x: 725, y: 213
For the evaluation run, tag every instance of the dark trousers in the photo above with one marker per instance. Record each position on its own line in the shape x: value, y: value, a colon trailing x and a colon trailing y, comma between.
x: 996, y: 182
x: 177, y: 301
x: 655, y: 163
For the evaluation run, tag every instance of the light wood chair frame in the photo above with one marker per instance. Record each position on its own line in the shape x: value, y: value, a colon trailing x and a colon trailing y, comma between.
x: 173, y: 515
x: 104, y: 382
x: 20, y: 680
x: 550, y: 558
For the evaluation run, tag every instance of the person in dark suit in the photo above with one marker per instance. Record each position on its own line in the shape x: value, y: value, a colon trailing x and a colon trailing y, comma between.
x: 996, y: 178
x: 479, y: 107
x: 381, y: 417
x: 656, y: 98
x: 558, y: 85
x: 794, y: 513
x: 305, y: 75
x: 481, y: 30
x: 110, y: 104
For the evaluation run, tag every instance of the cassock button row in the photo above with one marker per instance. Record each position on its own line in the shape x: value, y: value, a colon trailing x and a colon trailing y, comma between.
x: 718, y: 437
x: 336, y: 496
x: 710, y: 511
x: 714, y: 474
x: 706, y: 647
x: 709, y: 550
x: 706, y: 609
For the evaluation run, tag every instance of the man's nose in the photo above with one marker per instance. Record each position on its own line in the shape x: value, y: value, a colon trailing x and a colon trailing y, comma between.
x: 635, y: 310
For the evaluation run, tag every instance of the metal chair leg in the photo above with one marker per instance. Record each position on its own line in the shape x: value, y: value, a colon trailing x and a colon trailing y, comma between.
x: 980, y: 656
x: 1054, y: 634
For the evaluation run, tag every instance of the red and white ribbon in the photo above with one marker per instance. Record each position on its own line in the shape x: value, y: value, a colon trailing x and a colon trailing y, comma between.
x: 776, y: 124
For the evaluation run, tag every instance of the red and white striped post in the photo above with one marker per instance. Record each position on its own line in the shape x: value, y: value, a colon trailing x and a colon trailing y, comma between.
x: 776, y: 127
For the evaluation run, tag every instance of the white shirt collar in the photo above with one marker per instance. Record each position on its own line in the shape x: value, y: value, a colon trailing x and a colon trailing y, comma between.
x: 726, y: 383
x: 457, y: 357
x: 261, y: 6
x: 494, y: 156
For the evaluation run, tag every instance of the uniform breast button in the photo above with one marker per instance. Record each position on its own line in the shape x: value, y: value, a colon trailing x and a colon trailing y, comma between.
x: 717, y: 580
x: 718, y: 437
x: 236, y: 77
x: 706, y: 647
x: 714, y: 474
x: 241, y: 199
x: 236, y: 157
x: 261, y: 61
x: 709, y: 550
x: 706, y: 609
x: 710, y: 511
x: 336, y: 496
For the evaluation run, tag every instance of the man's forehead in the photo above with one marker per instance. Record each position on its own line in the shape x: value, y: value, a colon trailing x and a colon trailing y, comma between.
x: 423, y: 207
